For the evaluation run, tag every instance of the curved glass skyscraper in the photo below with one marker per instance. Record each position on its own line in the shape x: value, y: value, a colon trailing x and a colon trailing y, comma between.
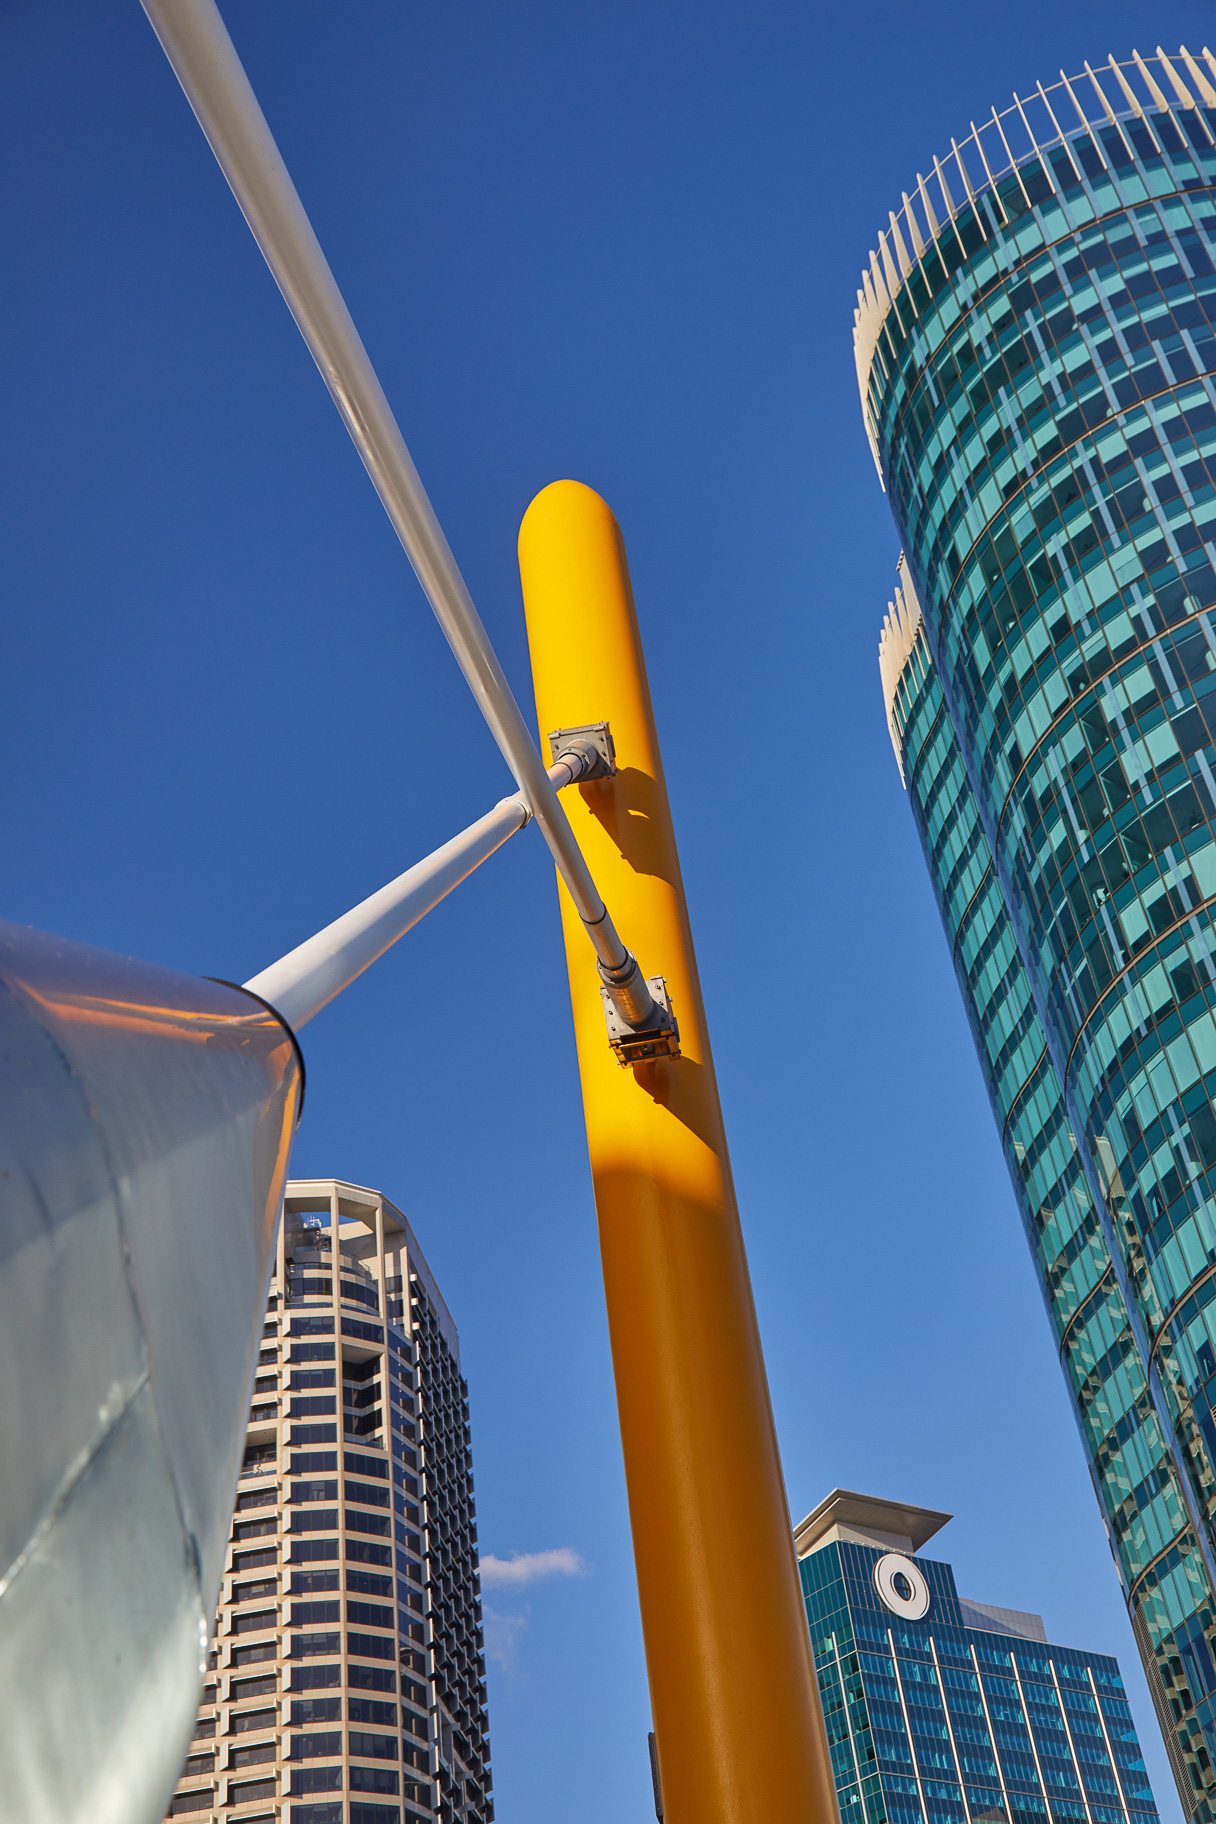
x: 1036, y: 355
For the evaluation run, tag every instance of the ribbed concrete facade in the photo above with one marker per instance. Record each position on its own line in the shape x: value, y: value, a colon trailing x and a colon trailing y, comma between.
x: 348, y: 1673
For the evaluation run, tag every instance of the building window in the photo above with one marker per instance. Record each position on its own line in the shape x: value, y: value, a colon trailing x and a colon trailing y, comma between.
x: 244, y: 1721
x: 245, y: 1792
x: 255, y: 1529
x: 330, y: 1813
x: 313, y: 1406
x: 375, y: 1779
x: 252, y: 1561
x: 368, y: 1523
x: 258, y: 1623
x: 363, y: 1551
x: 254, y: 1592
x: 314, y: 1491
x: 368, y: 1710
x: 309, y: 1288
x: 367, y: 1493
x: 374, y: 1747
x: 308, y: 1614
x: 242, y: 1689
x: 312, y: 1646
x: 196, y: 1764
x: 321, y: 1520
x: 365, y: 1466
x: 184, y: 1802
x: 249, y: 1656
x: 360, y: 1294
x: 313, y: 1352
x: 302, y: 1550
x: 317, y: 1325
x: 315, y: 1678
x: 316, y: 1747
x: 252, y: 1756
x: 316, y: 1779
x: 368, y: 1333
x: 305, y: 1582
x: 256, y: 1497
x: 314, y: 1462
x: 308, y: 1710
x: 368, y: 1583
x: 371, y: 1646
x: 370, y: 1614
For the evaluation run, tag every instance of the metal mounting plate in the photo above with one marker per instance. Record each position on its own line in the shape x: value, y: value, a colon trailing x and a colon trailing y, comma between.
x: 637, y: 1046
x: 595, y: 734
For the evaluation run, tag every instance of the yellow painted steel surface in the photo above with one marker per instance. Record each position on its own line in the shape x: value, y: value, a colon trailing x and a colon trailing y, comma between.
x: 736, y: 1709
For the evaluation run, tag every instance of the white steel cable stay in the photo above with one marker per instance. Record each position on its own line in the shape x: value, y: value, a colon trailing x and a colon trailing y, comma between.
x: 196, y: 42
x: 304, y: 981
x: 308, y: 977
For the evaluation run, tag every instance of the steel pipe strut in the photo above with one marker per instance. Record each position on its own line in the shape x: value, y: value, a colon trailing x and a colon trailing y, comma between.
x: 204, y: 59
x: 308, y: 977
x: 304, y: 981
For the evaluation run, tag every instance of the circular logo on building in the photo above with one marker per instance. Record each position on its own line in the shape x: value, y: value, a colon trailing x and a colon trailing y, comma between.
x: 901, y: 1586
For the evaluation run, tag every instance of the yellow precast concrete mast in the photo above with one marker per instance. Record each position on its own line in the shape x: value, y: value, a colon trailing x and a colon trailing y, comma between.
x: 732, y: 1683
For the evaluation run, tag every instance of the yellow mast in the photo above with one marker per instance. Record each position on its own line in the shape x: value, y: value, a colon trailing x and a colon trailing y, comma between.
x: 732, y: 1681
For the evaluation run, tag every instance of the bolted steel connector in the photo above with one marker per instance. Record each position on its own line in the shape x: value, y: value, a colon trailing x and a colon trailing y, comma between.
x: 658, y: 1038
x: 586, y: 749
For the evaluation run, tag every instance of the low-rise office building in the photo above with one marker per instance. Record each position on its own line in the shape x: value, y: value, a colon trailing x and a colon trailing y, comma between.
x: 944, y: 1710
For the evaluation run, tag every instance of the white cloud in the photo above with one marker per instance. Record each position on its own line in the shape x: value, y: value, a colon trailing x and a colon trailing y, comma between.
x: 502, y: 1636
x: 530, y: 1567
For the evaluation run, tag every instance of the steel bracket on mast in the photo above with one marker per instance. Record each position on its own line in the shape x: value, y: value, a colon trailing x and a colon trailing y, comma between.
x: 590, y: 740
x: 638, y: 1045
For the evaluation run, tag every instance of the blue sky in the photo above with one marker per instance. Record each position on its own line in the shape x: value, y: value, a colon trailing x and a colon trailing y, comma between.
x: 618, y: 243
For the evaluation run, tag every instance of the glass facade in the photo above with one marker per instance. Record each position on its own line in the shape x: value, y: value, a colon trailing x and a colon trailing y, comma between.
x: 931, y: 1718
x: 1036, y: 351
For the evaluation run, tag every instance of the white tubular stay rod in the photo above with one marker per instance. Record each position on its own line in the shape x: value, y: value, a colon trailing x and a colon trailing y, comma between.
x: 311, y: 975
x: 308, y: 977
x: 202, y: 54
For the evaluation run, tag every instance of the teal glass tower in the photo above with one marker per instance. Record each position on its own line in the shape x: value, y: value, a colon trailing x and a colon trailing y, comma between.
x: 1036, y: 353
x: 947, y: 1710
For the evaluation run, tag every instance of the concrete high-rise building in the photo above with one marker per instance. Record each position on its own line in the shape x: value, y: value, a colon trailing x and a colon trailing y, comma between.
x: 1036, y: 353
x: 348, y: 1673
x: 941, y: 1710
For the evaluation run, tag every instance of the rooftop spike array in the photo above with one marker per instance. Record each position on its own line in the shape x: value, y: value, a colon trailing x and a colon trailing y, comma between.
x: 900, y: 627
x: 1172, y: 94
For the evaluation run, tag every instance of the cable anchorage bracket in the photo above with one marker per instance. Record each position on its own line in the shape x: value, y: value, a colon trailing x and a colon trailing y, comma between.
x: 638, y: 1045
x: 592, y: 743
